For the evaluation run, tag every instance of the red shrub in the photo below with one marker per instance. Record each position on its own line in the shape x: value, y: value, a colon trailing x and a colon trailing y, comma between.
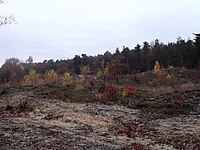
x: 128, y: 90
x: 112, y: 92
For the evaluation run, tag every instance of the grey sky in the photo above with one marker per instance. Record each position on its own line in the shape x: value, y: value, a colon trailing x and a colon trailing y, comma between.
x: 49, y: 29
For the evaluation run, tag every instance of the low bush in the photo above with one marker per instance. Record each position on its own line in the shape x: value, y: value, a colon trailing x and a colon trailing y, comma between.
x: 50, y: 77
x: 112, y: 92
x: 32, y: 77
x: 79, y: 87
x: 66, y: 78
x: 128, y: 91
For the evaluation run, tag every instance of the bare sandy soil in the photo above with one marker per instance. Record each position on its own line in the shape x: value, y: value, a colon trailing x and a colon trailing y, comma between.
x: 56, y: 124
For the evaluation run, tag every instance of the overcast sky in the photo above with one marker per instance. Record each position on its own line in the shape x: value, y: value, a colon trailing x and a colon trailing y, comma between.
x: 60, y: 29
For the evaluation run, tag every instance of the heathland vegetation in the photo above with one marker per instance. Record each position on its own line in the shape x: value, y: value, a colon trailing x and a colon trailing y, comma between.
x: 142, y: 98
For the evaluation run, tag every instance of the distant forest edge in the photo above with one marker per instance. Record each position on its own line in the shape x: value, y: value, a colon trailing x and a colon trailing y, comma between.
x: 182, y: 53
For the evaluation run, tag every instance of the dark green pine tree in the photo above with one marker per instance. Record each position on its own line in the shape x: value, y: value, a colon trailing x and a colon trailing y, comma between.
x: 146, y: 51
x: 197, y: 48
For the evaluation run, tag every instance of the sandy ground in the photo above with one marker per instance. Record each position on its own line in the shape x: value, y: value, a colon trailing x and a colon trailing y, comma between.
x: 55, y: 124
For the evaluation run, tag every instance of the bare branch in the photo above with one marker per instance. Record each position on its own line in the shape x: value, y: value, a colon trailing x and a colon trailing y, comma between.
x: 2, y: 1
x: 8, y: 20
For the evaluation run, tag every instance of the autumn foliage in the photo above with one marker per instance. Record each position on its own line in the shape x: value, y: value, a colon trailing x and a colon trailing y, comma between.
x: 66, y: 78
x: 50, y: 76
x: 103, y: 73
x: 85, y: 70
x: 157, y: 68
x: 116, y: 69
x: 32, y: 76
x: 112, y: 92
x: 128, y: 91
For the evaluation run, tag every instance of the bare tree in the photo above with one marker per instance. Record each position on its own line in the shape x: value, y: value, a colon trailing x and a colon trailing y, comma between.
x: 6, y: 20
x: 2, y: 1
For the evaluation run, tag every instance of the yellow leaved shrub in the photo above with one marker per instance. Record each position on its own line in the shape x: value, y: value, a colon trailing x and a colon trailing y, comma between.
x: 50, y: 77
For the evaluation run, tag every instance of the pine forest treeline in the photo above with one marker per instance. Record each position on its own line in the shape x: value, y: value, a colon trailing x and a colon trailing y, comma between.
x: 182, y: 53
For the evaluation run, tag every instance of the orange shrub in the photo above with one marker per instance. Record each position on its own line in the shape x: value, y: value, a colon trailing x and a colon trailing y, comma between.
x: 51, y: 76
x: 157, y: 68
x: 32, y: 76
